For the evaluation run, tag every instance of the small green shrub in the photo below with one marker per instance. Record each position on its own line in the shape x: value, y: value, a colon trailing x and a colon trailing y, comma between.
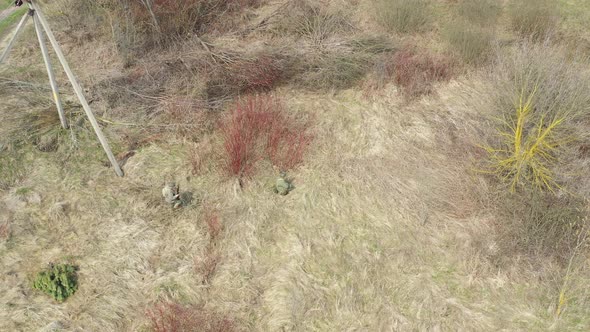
x: 404, y: 16
x: 473, y: 43
x: 59, y: 281
x: 533, y: 18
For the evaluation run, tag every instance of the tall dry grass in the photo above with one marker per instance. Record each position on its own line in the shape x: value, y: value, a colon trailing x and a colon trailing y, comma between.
x: 534, y: 19
x: 480, y: 12
x: 471, y: 32
x: 473, y: 43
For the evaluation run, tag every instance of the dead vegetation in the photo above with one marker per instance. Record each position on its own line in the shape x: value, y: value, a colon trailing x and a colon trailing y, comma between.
x: 416, y: 71
x: 259, y: 128
x: 451, y: 197
x: 173, y: 317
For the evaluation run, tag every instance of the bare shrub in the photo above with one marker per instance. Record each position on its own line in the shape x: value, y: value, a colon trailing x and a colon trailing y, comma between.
x: 140, y: 24
x: 261, y: 73
x: 334, y: 70
x: 170, y: 18
x: 533, y: 18
x: 214, y: 225
x: 540, y: 98
x: 240, y: 73
x: 242, y: 131
x: 404, y: 16
x: 415, y: 71
x: 310, y: 20
x: 4, y: 230
x: 258, y: 127
x: 172, y: 317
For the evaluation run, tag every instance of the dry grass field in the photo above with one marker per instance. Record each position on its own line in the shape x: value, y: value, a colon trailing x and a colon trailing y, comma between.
x: 438, y: 150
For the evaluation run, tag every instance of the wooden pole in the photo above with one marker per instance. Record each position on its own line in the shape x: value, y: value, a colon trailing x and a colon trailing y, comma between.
x: 52, y: 81
x: 14, y: 35
x: 77, y: 88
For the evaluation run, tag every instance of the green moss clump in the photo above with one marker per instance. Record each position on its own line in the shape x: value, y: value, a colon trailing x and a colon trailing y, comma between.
x: 59, y: 281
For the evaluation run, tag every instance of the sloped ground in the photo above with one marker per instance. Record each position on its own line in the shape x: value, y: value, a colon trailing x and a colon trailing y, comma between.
x: 387, y: 229
x: 375, y: 237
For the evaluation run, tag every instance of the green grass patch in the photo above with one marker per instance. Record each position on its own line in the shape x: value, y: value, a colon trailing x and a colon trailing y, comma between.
x: 6, y: 23
x: 6, y: 4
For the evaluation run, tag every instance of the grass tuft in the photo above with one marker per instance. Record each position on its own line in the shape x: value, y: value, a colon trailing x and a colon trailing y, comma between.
x: 534, y: 19
x: 473, y: 43
x: 480, y: 12
x: 404, y: 16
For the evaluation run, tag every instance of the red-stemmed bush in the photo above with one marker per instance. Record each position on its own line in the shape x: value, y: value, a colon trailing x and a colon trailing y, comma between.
x: 259, y: 128
x: 214, y: 225
x: 4, y: 231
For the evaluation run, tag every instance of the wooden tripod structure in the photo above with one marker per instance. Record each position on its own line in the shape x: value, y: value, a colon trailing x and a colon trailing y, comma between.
x: 42, y: 26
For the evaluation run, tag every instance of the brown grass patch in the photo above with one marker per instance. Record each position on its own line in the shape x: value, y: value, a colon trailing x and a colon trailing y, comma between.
x: 173, y: 317
x: 415, y: 71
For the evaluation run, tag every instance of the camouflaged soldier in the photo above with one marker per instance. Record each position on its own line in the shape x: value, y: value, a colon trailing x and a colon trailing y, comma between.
x: 171, y: 193
x: 283, y: 185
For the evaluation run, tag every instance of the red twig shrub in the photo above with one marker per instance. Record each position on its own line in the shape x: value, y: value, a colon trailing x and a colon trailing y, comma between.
x: 206, y: 264
x: 214, y: 225
x: 415, y: 72
x: 4, y: 231
x: 259, y: 128
x: 173, y: 317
